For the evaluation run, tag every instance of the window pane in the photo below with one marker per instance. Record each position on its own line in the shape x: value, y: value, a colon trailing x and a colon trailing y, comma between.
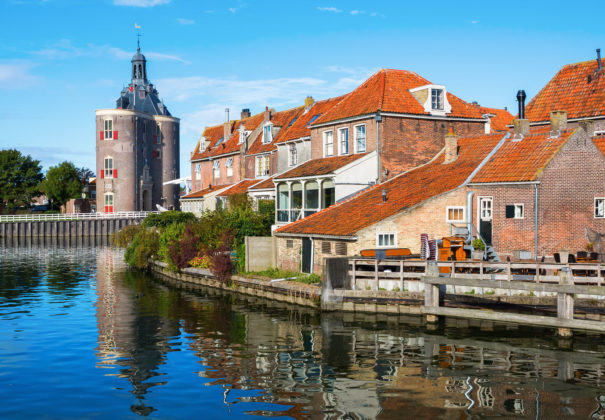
x: 283, y: 196
x: 311, y: 195
x: 297, y: 195
x: 360, y: 134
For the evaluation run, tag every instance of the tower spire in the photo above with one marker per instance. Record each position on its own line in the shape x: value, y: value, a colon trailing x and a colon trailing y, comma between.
x: 137, y: 27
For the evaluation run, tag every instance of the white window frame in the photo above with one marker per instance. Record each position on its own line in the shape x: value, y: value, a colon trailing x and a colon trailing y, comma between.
x: 341, y: 150
x: 379, y: 234
x: 325, y: 135
x: 262, y: 168
x: 441, y: 99
x: 108, y: 169
x: 522, y: 207
x: 292, y: 154
x: 216, y: 169
x: 106, y: 196
x: 365, y: 138
x: 229, y: 166
x: 243, y: 134
x: 198, y: 171
x: 596, y: 199
x: 267, y: 134
x: 447, y: 214
x: 106, y: 131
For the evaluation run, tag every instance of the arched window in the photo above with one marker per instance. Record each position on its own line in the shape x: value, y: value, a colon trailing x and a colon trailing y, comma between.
x: 108, y: 169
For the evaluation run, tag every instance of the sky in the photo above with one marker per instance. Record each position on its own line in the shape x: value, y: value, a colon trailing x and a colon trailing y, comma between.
x: 60, y: 60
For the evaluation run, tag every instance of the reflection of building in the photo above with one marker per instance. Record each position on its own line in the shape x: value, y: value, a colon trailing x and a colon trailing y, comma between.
x: 137, y: 148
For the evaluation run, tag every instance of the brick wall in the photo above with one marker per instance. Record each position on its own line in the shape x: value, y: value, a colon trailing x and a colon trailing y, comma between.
x: 317, y: 151
x: 289, y: 258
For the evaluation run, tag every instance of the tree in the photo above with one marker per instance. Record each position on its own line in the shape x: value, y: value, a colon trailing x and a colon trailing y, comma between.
x: 62, y: 183
x: 20, y: 178
x: 84, y: 174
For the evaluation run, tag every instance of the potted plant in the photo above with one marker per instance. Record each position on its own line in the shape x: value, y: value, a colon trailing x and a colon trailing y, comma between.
x: 589, y: 246
x: 564, y: 255
x: 478, y: 249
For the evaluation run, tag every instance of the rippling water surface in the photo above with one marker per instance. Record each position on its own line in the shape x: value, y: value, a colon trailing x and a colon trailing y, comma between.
x: 81, y: 336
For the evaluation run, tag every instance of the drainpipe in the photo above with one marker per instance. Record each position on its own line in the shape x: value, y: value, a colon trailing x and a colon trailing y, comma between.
x: 536, y: 221
x: 469, y: 213
x: 378, y: 118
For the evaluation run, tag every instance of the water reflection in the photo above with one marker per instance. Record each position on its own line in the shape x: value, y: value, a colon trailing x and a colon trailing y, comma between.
x: 170, y: 350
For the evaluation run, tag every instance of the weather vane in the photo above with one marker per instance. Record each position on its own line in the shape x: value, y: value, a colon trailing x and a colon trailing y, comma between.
x: 137, y: 27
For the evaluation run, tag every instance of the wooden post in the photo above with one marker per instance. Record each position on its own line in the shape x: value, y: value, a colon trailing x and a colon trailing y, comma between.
x: 401, y: 283
x: 376, y: 273
x: 431, y: 291
x: 354, y: 285
x: 565, y: 301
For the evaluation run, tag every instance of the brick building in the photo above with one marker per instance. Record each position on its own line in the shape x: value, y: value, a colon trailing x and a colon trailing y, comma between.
x: 542, y: 189
x: 137, y: 148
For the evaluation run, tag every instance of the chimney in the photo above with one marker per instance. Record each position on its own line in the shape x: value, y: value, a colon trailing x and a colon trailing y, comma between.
x: 521, y: 99
x: 245, y: 113
x: 267, y: 114
x: 558, y: 122
x: 599, y: 64
x: 451, y: 147
x: 309, y: 101
x: 384, y: 196
x: 588, y: 126
x: 521, y: 125
x: 226, y: 126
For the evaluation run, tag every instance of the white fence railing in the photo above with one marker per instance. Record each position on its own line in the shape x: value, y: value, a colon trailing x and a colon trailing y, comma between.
x: 75, y: 216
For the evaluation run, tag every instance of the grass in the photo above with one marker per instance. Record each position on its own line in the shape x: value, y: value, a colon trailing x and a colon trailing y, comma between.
x: 277, y: 273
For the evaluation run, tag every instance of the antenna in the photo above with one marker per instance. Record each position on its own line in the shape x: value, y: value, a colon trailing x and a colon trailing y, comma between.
x: 137, y: 27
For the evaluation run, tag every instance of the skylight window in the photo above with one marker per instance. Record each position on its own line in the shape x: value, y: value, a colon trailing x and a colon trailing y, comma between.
x: 316, y: 116
x: 293, y: 120
x: 219, y: 141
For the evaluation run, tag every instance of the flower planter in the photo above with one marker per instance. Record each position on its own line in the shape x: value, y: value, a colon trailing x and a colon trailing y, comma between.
x: 564, y: 256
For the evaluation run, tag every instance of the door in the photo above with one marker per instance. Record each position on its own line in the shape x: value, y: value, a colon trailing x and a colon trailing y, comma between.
x: 307, y: 255
x: 486, y: 213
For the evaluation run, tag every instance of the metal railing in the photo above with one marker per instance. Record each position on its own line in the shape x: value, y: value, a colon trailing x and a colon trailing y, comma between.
x: 75, y: 216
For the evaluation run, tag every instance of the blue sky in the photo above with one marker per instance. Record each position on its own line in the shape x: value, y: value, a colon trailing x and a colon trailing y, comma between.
x: 62, y: 59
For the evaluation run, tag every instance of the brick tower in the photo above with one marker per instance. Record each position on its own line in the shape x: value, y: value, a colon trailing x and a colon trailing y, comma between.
x: 137, y: 148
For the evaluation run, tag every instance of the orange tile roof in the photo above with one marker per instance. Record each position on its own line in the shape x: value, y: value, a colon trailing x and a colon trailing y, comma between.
x: 321, y: 166
x: 524, y: 160
x: 202, y: 193
x: 403, y: 191
x: 501, y: 118
x: 279, y: 119
x: 300, y: 128
x: 239, y: 188
x: 389, y: 91
x: 570, y: 91
x: 212, y: 134
x: 232, y: 144
x: 599, y: 141
x: 263, y: 185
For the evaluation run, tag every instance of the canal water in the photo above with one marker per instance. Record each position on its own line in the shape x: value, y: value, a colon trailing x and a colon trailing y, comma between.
x: 81, y: 336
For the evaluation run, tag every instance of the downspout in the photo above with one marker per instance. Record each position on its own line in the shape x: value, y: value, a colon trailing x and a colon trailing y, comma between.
x: 469, y: 214
x: 536, y: 221
x: 378, y: 118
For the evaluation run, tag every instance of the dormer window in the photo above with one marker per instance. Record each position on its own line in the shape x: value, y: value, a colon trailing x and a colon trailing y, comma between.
x: 433, y: 99
x: 267, y: 136
x: 243, y: 135
x: 437, y: 99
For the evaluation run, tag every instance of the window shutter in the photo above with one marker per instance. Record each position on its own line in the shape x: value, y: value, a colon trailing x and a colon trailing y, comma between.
x: 115, y: 135
x: 155, y: 139
x: 115, y: 173
x: 101, y: 137
x: 510, y: 212
x: 102, y: 173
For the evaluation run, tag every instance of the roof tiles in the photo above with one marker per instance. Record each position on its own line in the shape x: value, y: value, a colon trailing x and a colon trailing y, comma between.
x: 204, y: 192
x: 317, y: 167
x: 404, y: 191
x: 239, y: 188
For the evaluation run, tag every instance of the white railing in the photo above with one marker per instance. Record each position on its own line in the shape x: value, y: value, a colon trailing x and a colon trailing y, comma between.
x: 75, y: 216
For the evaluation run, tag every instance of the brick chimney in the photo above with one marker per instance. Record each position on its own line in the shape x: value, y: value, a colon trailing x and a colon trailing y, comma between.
x: 226, y: 125
x: 521, y: 128
x: 267, y: 114
x: 588, y: 126
x: 309, y: 101
x: 558, y: 122
x: 451, y: 147
x: 245, y: 113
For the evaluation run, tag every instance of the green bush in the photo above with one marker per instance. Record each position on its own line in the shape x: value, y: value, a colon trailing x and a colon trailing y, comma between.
x: 172, y: 233
x: 240, y: 264
x: 478, y: 244
x: 309, y: 279
x: 144, y: 245
x: 124, y: 237
x: 167, y: 218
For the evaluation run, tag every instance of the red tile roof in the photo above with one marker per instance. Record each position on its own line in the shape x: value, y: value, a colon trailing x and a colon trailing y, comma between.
x: 323, y: 166
x: 206, y: 191
x: 403, y: 191
x: 501, y: 118
x: 300, y: 128
x: 263, y: 185
x: 212, y: 134
x: 389, y: 91
x: 279, y: 119
x: 524, y: 160
x: 570, y: 90
x: 599, y: 141
x: 239, y: 188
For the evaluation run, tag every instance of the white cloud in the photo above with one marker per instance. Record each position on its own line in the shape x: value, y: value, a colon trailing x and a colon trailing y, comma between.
x: 140, y: 3
x: 183, y: 21
x: 474, y: 22
x: 15, y: 75
x: 357, y: 12
x: 64, y: 49
x: 329, y: 9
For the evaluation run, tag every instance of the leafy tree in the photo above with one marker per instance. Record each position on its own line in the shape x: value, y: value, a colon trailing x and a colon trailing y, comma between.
x: 84, y: 174
x: 62, y: 183
x: 20, y: 178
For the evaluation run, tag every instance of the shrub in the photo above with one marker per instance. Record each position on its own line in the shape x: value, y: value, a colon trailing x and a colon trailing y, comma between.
x: 240, y: 264
x: 221, y: 266
x: 167, y: 218
x: 168, y: 236
x: 124, y: 237
x: 183, y: 250
x: 478, y: 244
x: 144, y: 245
x: 201, y: 262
